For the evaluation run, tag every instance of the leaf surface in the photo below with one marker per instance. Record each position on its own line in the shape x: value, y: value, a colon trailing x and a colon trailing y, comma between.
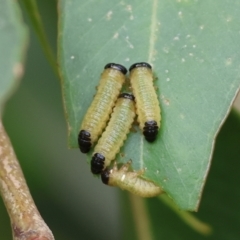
x: 193, y: 47
x: 220, y: 198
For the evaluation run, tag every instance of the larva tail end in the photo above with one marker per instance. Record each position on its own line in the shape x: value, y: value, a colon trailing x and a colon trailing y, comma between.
x: 127, y: 95
x: 150, y: 130
x: 105, y: 176
x: 84, y: 141
x: 116, y: 66
x: 97, y: 163
x: 140, y: 64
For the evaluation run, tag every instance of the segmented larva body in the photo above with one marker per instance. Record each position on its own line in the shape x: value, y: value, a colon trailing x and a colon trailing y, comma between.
x: 100, y: 109
x: 130, y: 181
x: 115, y: 133
x: 147, y: 105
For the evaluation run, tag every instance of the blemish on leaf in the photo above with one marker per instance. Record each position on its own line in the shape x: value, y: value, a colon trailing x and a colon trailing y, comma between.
x: 122, y: 154
x: 109, y: 15
x: 229, y: 19
x: 89, y: 19
x: 190, y: 54
x: 72, y: 57
x: 168, y: 79
x: 165, y: 100
x: 129, y: 43
x: 228, y: 61
x: 115, y: 36
x: 166, y: 49
x: 129, y: 9
x: 182, y: 116
x: 183, y: 60
x: 176, y: 38
x: 201, y: 27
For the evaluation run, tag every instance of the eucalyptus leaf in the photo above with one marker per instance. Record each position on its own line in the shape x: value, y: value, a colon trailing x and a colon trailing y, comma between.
x: 221, y: 197
x: 193, y: 47
x: 13, y: 40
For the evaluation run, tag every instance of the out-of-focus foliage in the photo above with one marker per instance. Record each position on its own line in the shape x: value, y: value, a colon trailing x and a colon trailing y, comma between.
x: 13, y: 41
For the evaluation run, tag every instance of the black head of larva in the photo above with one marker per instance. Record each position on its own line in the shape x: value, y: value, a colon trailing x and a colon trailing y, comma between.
x: 150, y: 130
x: 127, y: 95
x: 84, y: 141
x: 105, y: 176
x: 97, y: 163
x: 140, y: 64
x: 116, y: 66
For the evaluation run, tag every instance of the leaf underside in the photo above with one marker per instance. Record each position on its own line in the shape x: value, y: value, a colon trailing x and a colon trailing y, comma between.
x: 193, y: 47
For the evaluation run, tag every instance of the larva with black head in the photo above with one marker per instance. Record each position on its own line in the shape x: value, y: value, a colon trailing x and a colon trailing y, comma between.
x: 115, y: 133
x: 147, y: 105
x: 130, y: 181
x: 98, y: 113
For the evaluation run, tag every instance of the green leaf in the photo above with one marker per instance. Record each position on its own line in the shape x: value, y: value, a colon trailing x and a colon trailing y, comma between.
x: 219, y: 206
x: 13, y: 40
x: 193, y: 47
x: 221, y: 197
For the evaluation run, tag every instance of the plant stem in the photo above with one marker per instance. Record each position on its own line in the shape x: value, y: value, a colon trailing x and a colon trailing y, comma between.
x: 141, y: 217
x: 27, y: 223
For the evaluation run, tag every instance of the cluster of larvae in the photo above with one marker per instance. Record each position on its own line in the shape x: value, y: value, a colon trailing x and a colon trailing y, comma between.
x: 121, y: 109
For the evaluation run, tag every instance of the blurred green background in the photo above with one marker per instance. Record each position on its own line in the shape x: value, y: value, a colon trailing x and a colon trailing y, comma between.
x: 73, y: 203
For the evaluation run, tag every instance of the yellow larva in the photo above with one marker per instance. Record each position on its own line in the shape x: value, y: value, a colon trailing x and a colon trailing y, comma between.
x: 98, y: 113
x: 147, y: 105
x: 130, y: 181
x: 116, y: 132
